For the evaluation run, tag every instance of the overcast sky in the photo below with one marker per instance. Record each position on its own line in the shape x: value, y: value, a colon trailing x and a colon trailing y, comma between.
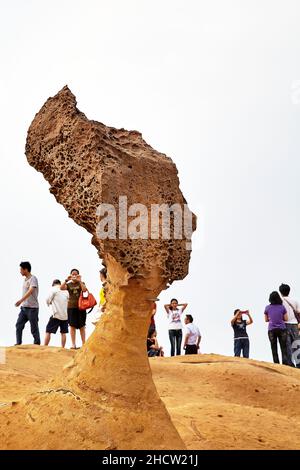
x: 214, y: 84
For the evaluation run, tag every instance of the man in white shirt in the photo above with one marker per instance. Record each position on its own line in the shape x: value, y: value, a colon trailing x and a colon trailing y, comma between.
x: 58, y: 301
x: 192, y: 337
x: 291, y: 306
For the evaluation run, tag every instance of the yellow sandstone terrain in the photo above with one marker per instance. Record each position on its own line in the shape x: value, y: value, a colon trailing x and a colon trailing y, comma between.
x: 215, y: 402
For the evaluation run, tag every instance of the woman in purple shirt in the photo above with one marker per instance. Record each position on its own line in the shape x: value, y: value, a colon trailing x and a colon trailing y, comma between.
x: 276, y: 315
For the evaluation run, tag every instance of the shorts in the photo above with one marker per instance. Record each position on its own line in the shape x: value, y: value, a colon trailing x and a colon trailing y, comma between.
x: 55, y: 323
x: 191, y: 349
x: 77, y: 318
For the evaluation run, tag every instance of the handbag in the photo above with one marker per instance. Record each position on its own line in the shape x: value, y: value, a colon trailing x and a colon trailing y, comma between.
x: 297, y: 314
x: 86, y: 301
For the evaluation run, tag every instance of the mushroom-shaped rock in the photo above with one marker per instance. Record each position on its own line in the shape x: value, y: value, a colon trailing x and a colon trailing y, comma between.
x: 126, y: 194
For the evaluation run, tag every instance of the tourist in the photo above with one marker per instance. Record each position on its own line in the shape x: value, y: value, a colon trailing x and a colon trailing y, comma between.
x: 174, y: 312
x: 77, y: 318
x: 58, y: 301
x: 152, y: 326
x: 29, y: 305
x: 103, y: 279
x: 102, y: 303
x: 292, y: 327
x: 241, y: 338
x: 153, y: 348
x: 276, y: 315
x: 192, y: 336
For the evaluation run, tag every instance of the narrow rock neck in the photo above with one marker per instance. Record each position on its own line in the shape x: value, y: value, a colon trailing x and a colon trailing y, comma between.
x: 114, y: 360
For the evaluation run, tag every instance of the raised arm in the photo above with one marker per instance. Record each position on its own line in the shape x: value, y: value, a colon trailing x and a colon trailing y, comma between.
x: 235, y: 318
x: 83, y: 286
x: 64, y: 284
x: 184, y: 306
x: 167, y: 307
x: 250, y: 321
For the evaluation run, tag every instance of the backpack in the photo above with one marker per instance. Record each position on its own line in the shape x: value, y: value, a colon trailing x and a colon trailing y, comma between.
x: 86, y: 301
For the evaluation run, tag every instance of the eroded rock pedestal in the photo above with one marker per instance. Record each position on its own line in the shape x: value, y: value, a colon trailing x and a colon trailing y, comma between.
x: 106, y: 397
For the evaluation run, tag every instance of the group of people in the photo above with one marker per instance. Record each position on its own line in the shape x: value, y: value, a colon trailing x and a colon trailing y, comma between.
x: 283, y: 318
x: 282, y: 315
x: 63, y: 300
x: 192, y: 336
x: 66, y: 314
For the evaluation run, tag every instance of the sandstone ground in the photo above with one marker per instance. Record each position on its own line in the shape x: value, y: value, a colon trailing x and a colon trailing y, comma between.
x: 215, y: 402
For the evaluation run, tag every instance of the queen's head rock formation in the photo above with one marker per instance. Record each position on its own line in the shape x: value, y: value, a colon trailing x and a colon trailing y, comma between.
x: 88, y: 164
x: 108, y: 388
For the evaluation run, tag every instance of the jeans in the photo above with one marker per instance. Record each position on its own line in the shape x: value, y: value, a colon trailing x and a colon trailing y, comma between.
x: 32, y: 315
x: 242, y: 345
x: 175, y: 340
x: 292, y: 335
x: 153, y: 353
x: 281, y: 336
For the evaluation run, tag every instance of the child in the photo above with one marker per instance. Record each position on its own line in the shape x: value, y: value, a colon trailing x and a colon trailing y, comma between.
x: 152, y: 346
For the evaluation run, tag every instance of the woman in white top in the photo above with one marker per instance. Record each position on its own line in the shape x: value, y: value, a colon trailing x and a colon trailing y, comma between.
x: 174, y: 311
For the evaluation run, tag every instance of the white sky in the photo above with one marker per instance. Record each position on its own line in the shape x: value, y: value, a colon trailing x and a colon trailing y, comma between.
x: 215, y: 85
